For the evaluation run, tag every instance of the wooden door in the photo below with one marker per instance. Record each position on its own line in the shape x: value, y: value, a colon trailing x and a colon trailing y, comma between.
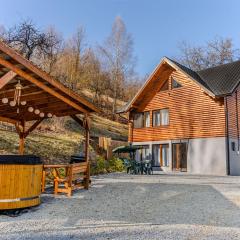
x: 179, y: 156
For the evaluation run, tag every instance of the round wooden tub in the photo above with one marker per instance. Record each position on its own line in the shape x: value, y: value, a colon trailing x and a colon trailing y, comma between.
x: 20, y: 181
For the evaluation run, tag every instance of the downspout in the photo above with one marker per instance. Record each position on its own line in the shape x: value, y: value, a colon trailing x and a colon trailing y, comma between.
x: 227, y: 137
x: 236, y: 101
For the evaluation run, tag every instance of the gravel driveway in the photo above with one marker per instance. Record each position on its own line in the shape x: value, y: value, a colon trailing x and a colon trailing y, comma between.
x: 120, y: 206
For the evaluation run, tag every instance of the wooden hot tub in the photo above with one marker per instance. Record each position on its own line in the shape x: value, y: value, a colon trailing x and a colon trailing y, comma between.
x: 20, y: 181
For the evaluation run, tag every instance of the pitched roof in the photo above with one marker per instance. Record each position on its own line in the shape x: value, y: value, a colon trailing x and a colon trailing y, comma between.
x: 222, y: 79
x: 216, y: 81
x: 39, y: 89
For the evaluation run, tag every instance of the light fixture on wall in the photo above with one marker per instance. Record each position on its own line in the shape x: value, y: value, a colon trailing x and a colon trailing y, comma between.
x: 17, y: 97
x: 49, y: 115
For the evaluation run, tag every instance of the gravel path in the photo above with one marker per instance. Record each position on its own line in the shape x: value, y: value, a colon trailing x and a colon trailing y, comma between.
x: 120, y: 206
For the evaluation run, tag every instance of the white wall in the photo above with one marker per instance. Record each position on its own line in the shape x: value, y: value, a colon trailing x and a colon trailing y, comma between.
x: 207, y: 156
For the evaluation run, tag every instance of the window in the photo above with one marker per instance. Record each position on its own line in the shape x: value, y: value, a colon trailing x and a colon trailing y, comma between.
x: 138, y: 120
x: 146, y: 119
x: 160, y: 157
x: 161, y: 117
x: 164, y: 86
x: 175, y: 84
x: 164, y: 117
x: 165, y: 155
x: 156, y: 118
x: 141, y: 120
x: 143, y: 153
x: 233, y: 146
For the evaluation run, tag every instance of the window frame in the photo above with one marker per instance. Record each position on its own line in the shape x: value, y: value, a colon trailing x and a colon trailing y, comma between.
x: 144, y: 119
x: 153, y: 118
x: 165, y: 83
x: 143, y: 125
x: 160, y: 112
x: 161, y: 117
x: 135, y: 113
x: 173, y: 88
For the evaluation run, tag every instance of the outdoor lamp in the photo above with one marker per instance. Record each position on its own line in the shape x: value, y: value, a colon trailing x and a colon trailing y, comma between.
x: 30, y: 109
x: 42, y: 115
x: 37, y: 111
x: 13, y: 103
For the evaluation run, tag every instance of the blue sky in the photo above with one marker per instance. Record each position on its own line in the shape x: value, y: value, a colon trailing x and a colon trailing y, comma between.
x: 157, y: 26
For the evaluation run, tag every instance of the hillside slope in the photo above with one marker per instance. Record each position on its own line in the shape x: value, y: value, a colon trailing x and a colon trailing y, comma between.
x: 58, y: 146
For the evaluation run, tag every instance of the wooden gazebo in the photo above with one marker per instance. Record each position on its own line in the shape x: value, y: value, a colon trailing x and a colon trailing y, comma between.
x: 30, y: 95
x: 41, y: 96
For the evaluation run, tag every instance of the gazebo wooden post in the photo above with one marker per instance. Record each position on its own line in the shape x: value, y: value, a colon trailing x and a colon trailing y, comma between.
x: 87, y: 134
x: 85, y: 123
x: 87, y: 138
x: 23, y: 133
x: 21, y: 137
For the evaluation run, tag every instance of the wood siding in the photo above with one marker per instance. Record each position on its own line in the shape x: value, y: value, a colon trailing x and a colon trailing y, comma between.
x: 192, y: 113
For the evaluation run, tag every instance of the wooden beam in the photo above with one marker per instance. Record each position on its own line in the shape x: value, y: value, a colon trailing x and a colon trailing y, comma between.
x: 7, y: 78
x: 41, y: 85
x: 13, y: 83
x: 17, y: 57
x: 25, y: 92
x: 8, y: 120
x: 78, y: 120
x: 33, y: 127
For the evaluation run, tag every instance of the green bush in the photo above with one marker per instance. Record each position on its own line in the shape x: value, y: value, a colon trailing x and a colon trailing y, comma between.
x: 99, y: 167
x: 103, y: 166
x: 115, y: 165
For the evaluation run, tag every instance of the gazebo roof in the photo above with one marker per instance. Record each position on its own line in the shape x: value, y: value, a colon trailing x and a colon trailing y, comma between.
x: 39, y: 90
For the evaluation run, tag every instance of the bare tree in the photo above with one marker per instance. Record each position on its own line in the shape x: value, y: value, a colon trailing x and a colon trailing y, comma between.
x: 117, y: 55
x: 51, y: 54
x: 95, y: 79
x: 29, y: 40
x: 2, y: 32
x: 69, y: 65
x: 215, y: 52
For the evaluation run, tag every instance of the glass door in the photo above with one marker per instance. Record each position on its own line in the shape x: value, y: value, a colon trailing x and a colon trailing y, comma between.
x: 156, y: 155
x: 161, y: 155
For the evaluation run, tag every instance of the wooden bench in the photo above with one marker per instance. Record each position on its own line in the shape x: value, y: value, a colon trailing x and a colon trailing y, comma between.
x: 77, y: 176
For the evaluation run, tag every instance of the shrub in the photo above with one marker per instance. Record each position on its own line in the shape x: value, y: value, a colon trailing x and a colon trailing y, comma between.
x: 115, y: 165
x: 99, y: 166
x: 103, y: 166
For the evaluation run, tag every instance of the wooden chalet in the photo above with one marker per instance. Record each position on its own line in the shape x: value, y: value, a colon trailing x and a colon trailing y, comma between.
x: 188, y: 120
